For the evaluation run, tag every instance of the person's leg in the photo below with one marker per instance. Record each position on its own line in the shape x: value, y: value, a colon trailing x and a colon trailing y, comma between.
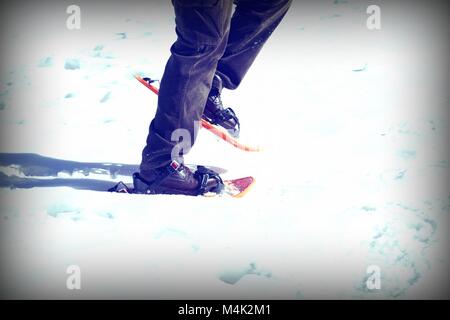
x: 202, y: 28
x: 251, y: 25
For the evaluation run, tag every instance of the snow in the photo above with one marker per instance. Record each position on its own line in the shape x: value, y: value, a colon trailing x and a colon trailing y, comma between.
x: 354, y: 172
x: 72, y: 64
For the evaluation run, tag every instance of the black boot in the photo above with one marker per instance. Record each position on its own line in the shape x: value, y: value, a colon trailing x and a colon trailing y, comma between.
x: 215, y: 112
x: 177, y: 179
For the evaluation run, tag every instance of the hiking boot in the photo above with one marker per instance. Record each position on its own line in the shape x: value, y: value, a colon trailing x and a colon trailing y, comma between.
x: 215, y: 113
x: 176, y: 178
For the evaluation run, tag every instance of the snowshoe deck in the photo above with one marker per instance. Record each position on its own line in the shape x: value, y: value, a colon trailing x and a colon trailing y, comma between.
x: 236, y: 188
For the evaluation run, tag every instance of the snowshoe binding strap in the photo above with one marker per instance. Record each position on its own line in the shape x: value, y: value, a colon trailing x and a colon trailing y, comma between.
x: 143, y: 186
x: 149, y: 80
x: 225, y: 115
x: 120, y: 188
x: 204, y: 175
x: 220, y: 117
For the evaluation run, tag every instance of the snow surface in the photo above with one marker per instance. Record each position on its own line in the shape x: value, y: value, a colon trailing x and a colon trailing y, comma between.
x: 354, y: 172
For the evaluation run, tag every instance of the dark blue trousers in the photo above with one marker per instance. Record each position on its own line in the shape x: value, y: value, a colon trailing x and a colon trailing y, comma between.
x: 210, y: 39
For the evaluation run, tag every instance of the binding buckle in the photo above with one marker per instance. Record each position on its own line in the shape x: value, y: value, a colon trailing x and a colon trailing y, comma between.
x: 176, y: 167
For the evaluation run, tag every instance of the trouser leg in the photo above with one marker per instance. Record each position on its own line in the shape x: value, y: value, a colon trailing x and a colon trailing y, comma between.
x: 251, y: 25
x: 202, y: 28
